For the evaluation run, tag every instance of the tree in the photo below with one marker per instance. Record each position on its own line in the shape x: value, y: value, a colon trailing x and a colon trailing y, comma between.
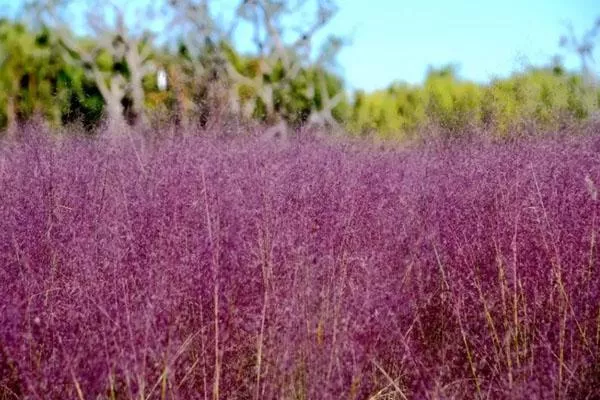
x: 583, y: 47
x: 29, y: 69
x: 13, y: 60
x: 453, y: 104
x: 281, y: 70
x: 116, y: 56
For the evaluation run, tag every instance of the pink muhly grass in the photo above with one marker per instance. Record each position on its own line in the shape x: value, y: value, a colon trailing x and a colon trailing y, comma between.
x: 245, y: 268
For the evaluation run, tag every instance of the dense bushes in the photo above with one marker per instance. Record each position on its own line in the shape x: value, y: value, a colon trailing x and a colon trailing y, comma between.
x: 539, y: 100
x: 252, y: 269
x: 38, y: 79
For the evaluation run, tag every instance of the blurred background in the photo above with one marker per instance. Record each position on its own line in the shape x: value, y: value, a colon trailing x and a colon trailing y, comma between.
x: 383, y: 67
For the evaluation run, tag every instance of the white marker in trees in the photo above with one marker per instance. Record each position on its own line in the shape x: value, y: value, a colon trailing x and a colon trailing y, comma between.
x: 161, y: 80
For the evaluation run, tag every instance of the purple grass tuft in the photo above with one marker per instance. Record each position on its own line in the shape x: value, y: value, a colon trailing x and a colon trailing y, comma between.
x: 249, y: 269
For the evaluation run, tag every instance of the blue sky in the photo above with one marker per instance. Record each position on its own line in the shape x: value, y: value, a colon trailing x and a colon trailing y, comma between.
x: 397, y: 40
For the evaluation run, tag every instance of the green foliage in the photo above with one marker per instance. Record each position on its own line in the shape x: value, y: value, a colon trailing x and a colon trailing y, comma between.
x: 546, y: 97
x: 452, y: 103
x: 394, y: 112
x: 400, y: 109
x: 35, y: 80
x: 293, y: 95
x: 25, y: 64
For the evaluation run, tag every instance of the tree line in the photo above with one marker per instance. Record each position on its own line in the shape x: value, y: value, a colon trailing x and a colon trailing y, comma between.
x: 188, y: 71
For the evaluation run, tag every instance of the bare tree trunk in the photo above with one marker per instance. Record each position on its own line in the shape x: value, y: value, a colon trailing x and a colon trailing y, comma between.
x: 116, y: 122
x: 113, y: 93
x: 139, y: 66
x: 137, y: 94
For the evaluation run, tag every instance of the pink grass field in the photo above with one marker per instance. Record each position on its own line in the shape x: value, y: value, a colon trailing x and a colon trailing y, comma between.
x: 200, y: 268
